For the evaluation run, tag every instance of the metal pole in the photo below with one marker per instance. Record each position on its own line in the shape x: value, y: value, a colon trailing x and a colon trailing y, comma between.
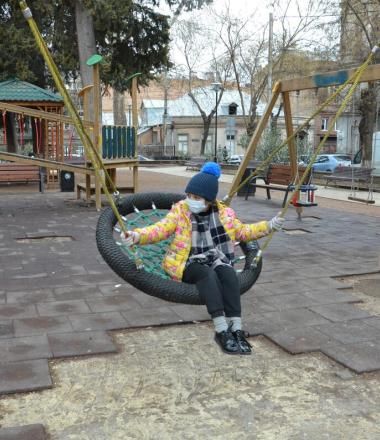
x: 216, y: 125
x: 270, y: 50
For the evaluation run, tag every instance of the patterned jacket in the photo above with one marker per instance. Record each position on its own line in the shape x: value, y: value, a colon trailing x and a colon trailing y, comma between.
x: 178, y: 222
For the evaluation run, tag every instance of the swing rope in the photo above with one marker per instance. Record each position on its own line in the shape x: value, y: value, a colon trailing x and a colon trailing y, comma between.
x: 96, y: 159
x: 357, y: 74
x: 91, y: 151
x: 147, y: 251
x: 331, y: 127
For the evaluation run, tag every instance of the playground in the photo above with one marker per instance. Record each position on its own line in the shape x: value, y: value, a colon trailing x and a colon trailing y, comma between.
x: 91, y: 357
x: 91, y: 350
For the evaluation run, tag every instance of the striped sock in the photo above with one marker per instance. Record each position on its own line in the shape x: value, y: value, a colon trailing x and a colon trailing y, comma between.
x: 220, y: 324
x: 235, y: 321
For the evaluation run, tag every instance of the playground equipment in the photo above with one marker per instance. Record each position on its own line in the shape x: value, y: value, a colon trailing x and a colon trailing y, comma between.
x: 141, y: 268
x: 113, y: 220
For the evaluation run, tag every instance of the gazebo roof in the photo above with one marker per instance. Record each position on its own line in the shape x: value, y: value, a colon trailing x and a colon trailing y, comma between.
x: 16, y: 90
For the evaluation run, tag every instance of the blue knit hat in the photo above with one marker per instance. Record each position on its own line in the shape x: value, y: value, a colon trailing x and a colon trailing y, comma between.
x: 205, y: 183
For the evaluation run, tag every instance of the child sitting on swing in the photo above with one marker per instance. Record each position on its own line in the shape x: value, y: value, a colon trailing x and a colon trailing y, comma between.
x: 202, y: 252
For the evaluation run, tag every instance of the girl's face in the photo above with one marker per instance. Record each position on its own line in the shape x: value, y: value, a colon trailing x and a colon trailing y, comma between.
x: 196, y: 203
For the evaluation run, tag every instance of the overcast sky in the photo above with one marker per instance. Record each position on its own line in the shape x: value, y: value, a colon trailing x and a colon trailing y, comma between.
x: 255, y: 11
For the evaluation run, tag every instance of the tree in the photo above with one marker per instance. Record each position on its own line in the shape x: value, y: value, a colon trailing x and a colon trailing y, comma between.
x: 195, y: 42
x: 20, y: 56
x: 131, y: 35
x: 248, y: 52
x: 362, y: 17
x: 359, y: 33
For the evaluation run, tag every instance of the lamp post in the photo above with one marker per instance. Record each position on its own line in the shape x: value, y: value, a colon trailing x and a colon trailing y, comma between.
x: 217, y: 87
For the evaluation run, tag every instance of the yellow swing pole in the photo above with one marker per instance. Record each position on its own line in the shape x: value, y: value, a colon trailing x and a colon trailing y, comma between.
x: 90, y: 149
x: 235, y: 187
x: 353, y: 87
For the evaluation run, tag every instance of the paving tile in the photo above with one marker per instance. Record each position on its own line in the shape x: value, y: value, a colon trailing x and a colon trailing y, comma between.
x: 331, y: 296
x: 29, y: 296
x: 146, y: 300
x: 98, y: 321
x: 256, y: 324
x: 79, y: 344
x: 293, y: 318
x: 113, y: 303
x: 190, y: 313
x: 351, y: 331
x: 24, y: 348
x: 117, y: 289
x: 151, y: 316
x: 284, y: 287
x: 27, y: 432
x: 55, y: 308
x: 78, y: 292
x: 24, y: 376
x: 361, y: 356
x: 41, y: 325
x: 373, y: 322
x: 10, y: 311
x: 300, y: 340
x: 340, y: 312
x: 289, y: 301
x: 6, y: 329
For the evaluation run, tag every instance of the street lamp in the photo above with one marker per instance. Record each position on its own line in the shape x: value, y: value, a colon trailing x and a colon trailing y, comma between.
x: 217, y: 87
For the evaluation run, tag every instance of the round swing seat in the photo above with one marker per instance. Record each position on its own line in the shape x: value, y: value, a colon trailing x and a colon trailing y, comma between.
x: 151, y: 283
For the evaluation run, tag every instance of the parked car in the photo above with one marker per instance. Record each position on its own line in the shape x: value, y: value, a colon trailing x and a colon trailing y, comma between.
x: 234, y: 159
x: 329, y: 162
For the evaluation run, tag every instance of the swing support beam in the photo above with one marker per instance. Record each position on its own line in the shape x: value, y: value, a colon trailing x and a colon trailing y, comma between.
x: 334, y: 78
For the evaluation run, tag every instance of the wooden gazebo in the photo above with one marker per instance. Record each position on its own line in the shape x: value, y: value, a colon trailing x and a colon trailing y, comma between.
x: 42, y: 137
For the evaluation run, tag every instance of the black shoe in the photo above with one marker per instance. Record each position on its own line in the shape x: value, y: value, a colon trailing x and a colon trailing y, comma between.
x: 244, y: 345
x: 227, y: 342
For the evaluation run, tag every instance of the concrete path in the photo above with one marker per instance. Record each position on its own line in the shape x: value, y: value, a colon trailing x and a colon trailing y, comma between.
x: 329, y: 192
x: 59, y: 299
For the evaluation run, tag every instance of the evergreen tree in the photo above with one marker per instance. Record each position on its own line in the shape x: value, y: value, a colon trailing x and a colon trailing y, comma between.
x: 131, y: 35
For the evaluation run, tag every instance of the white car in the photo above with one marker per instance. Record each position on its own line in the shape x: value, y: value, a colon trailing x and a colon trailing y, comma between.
x: 234, y: 159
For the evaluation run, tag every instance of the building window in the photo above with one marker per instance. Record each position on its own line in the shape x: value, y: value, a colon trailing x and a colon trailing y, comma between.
x: 232, y: 109
x: 324, y: 124
x: 183, y: 143
x: 230, y: 137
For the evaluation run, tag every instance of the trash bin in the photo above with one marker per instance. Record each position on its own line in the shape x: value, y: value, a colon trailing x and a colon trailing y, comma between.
x: 251, y: 189
x: 67, y: 181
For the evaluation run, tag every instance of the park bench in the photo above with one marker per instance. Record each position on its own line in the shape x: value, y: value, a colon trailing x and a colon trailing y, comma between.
x: 20, y: 173
x: 195, y: 164
x: 358, y: 176
x: 279, y: 177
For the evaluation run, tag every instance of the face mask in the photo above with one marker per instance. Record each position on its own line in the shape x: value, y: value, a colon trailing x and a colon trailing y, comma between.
x: 196, y: 206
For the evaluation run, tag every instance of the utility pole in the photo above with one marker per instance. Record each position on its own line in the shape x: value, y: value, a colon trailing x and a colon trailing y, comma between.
x: 270, y: 51
x: 166, y: 81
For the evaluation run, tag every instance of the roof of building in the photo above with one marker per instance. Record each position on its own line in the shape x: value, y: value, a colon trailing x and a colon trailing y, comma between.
x: 185, y: 106
x: 16, y: 90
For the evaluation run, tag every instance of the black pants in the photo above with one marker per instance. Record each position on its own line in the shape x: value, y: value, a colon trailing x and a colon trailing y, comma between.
x: 218, y: 288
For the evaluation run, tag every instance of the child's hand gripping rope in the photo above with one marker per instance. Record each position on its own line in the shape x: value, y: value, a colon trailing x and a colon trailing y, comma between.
x: 276, y: 223
x: 130, y: 238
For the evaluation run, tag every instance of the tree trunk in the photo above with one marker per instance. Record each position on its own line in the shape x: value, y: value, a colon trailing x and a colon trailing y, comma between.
x: 86, y: 40
x: 367, y: 109
x: 118, y: 102
x: 206, y: 130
